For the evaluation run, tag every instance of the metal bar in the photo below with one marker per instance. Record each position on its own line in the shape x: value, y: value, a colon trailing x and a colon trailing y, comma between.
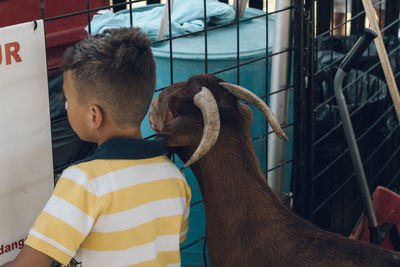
x: 355, y: 154
x: 310, y: 100
x: 303, y: 116
x: 88, y: 16
x: 44, y: 27
x: 279, y: 166
x: 388, y: 28
x: 271, y: 132
x: 277, y: 92
x: 170, y: 41
x: 279, y: 103
x: 266, y: 72
x: 206, y: 71
x: 193, y: 243
x: 130, y: 14
x: 42, y: 9
x: 196, y: 203
x: 345, y: 18
x: 205, y: 38
x: 237, y: 44
x: 205, y: 251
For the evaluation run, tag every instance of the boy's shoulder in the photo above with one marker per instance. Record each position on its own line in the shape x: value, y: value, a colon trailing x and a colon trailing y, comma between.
x: 121, y: 158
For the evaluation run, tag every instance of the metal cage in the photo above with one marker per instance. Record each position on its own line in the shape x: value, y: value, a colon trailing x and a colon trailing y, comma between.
x: 325, y: 188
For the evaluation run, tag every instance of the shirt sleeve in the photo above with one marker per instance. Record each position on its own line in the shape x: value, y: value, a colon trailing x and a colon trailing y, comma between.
x: 67, y: 218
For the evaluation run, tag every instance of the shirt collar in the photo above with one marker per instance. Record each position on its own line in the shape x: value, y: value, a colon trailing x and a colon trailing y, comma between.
x: 129, y: 148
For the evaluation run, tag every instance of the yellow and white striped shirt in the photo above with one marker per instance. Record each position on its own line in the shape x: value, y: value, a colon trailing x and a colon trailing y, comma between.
x: 127, y: 205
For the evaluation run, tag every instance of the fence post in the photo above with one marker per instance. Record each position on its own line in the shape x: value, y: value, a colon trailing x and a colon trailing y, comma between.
x: 279, y: 100
x: 303, y: 107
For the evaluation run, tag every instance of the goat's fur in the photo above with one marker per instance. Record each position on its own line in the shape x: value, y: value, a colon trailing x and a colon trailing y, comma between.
x: 247, y: 225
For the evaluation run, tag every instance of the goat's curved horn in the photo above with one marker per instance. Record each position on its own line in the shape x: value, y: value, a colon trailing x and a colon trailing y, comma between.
x: 250, y: 97
x: 205, y: 101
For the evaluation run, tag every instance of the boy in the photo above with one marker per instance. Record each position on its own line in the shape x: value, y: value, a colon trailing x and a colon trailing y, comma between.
x: 127, y: 204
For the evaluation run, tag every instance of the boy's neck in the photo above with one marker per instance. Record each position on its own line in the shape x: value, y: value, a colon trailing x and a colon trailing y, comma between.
x: 117, y: 133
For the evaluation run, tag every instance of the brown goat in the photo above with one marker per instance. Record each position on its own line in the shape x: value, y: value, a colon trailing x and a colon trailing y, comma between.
x: 247, y: 225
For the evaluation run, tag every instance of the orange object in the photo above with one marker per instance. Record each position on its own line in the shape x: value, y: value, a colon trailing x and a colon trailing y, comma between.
x: 387, y: 209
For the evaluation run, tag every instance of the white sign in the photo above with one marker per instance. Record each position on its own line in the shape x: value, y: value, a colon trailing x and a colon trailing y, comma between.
x: 26, y: 169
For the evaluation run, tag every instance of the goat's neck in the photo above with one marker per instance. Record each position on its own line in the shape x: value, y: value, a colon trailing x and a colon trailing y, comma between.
x: 226, y: 175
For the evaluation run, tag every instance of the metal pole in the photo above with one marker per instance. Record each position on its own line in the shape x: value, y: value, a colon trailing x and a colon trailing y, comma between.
x: 279, y: 102
x: 353, y: 147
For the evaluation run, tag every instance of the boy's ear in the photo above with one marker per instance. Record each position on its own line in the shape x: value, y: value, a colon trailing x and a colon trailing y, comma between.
x: 96, y: 117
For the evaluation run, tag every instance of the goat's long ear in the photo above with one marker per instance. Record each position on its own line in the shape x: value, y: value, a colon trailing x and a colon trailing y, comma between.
x: 248, y: 96
x: 181, y: 131
x: 186, y: 130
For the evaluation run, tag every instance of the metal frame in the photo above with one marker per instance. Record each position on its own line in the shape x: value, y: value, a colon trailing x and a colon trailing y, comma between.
x: 334, y: 203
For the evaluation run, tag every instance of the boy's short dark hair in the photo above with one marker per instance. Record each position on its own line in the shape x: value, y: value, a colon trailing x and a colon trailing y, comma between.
x: 116, y: 68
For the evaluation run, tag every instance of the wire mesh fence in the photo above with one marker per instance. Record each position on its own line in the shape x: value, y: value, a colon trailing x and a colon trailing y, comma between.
x: 332, y: 194
x: 247, y: 40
